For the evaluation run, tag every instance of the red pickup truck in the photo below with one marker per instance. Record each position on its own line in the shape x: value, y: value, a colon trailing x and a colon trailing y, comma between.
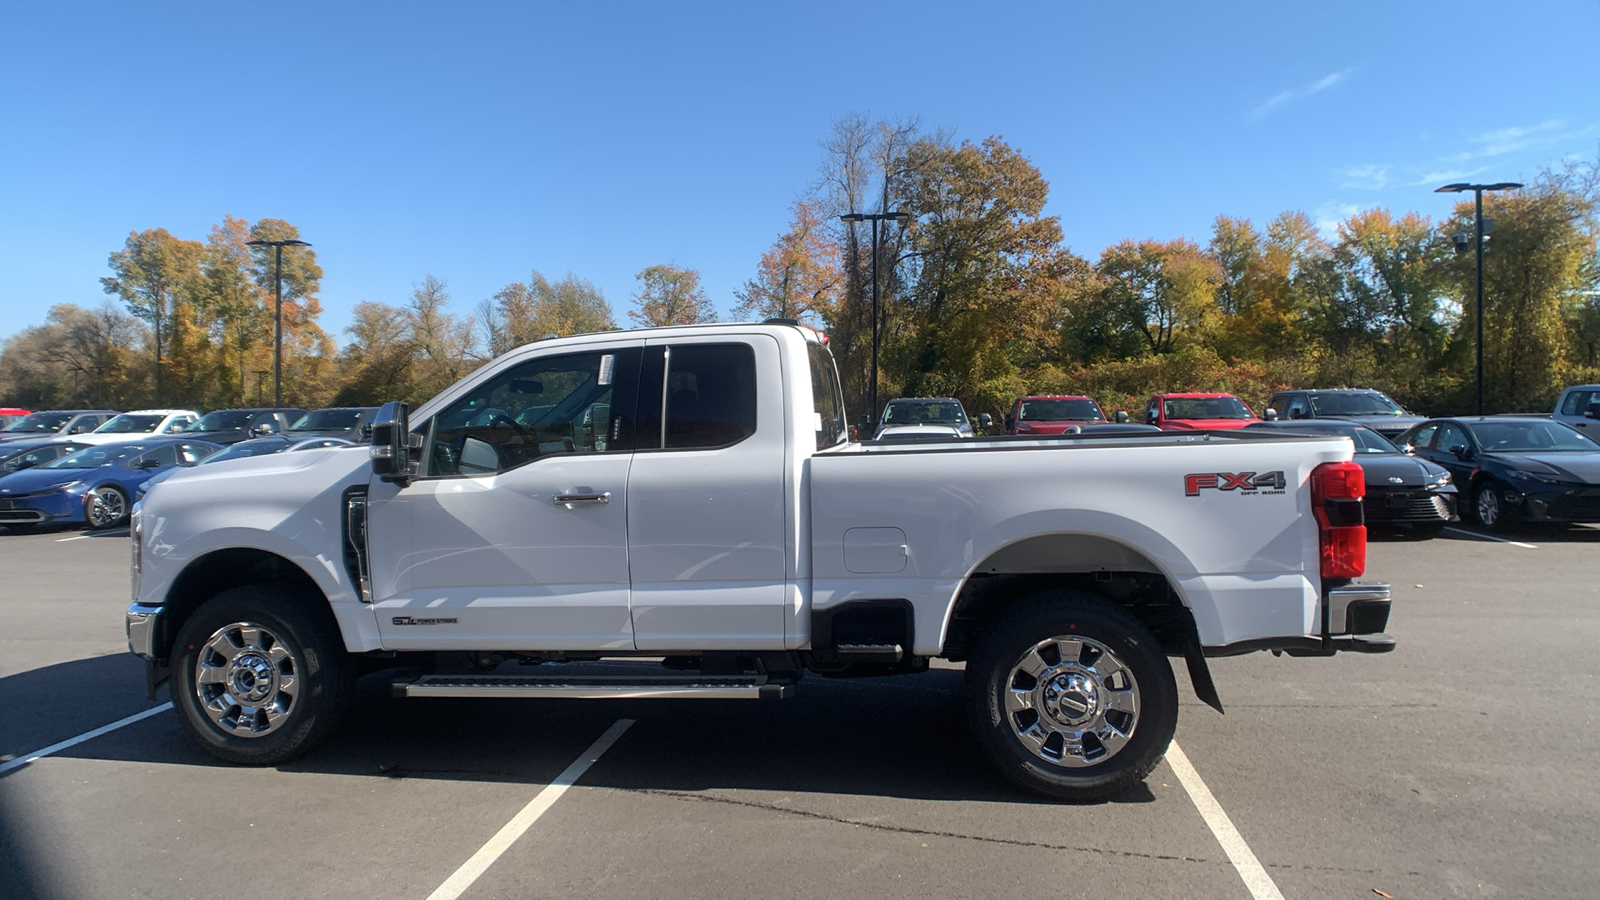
x: 1197, y: 411
x: 1052, y: 415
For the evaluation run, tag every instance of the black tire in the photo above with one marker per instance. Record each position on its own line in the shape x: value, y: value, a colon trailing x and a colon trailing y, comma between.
x: 1496, y: 518
x: 1074, y: 774
x: 305, y: 697
x: 106, y: 507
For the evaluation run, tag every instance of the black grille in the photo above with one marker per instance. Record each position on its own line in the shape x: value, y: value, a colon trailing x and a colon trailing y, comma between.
x: 1408, y: 506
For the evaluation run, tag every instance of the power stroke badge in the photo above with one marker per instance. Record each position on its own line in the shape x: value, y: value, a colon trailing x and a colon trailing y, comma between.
x: 1254, y: 483
x: 408, y: 620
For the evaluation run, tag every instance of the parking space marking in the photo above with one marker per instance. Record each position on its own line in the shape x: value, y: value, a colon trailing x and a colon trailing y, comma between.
x: 1244, y: 861
x: 21, y: 761
x: 463, y: 877
x: 1490, y: 537
x: 80, y: 537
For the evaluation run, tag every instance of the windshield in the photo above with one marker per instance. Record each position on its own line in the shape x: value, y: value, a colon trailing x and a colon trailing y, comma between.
x: 1363, y: 404
x: 1059, y: 410
x: 1208, y: 408
x: 924, y: 412
x: 95, y: 457
x: 248, y: 449
x: 223, y: 420
x: 328, y: 420
x: 132, y: 423
x: 39, y: 423
x: 1365, y: 439
x: 1531, y: 437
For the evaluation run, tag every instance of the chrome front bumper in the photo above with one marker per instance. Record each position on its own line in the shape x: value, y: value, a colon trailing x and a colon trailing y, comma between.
x: 141, y: 629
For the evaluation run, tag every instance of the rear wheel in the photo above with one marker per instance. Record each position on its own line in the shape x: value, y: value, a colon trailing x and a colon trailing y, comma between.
x: 258, y: 676
x: 1071, y: 697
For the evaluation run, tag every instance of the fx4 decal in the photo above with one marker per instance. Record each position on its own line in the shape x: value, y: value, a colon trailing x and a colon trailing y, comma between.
x: 1244, y: 482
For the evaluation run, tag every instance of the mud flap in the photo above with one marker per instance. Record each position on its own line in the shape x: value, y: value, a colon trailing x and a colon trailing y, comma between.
x: 1200, y: 676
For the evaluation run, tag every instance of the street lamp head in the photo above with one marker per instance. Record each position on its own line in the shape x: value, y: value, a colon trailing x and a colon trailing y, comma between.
x: 1453, y: 188
x: 901, y: 217
x: 288, y: 243
x: 1502, y: 186
x: 854, y: 217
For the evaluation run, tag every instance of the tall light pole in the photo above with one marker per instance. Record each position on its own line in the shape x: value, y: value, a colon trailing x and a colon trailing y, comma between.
x: 875, y: 218
x: 1477, y: 228
x: 277, y: 313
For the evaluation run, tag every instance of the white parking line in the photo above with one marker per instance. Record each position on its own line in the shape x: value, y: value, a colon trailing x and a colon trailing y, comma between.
x: 1244, y: 862
x: 78, y: 538
x: 1490, y: 537
x: 21, y: 761
x: 457, y: 884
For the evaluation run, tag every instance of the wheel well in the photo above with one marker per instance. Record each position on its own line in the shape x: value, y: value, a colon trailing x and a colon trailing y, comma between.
x: 1092, y: 563
x: 219, y: 571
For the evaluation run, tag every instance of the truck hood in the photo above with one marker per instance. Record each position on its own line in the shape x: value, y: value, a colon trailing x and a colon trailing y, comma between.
x: 1206, y: 424
x: 1054, y: 426
x: 1385, y: 425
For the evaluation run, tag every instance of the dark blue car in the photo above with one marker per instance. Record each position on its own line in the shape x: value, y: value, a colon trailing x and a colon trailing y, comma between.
x: 1517, y: 469
x: 92, y: 486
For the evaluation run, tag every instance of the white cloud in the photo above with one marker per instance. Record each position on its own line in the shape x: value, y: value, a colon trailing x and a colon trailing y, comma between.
x: 1295, y: 94
x: 1329, y: 216
x: 1373, y: 177
x: 1440, y: 178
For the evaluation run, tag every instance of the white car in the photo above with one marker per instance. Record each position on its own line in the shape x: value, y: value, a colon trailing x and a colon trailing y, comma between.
x: 141, y: 423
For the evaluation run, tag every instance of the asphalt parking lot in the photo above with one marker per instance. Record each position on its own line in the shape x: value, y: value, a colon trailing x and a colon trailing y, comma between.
x: 1461, y: 765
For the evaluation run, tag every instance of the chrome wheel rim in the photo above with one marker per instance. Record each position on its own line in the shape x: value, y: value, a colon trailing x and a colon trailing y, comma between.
x: 246, y: 679
x: 106, y: 506
x: 1488, y: 506
x: 1071, y: 702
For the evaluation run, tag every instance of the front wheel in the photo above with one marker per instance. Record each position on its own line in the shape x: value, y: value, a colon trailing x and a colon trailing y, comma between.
x: 1071, y: 697
x: 1487, y: 507
x: 105, y: 506
x: 258, y: 677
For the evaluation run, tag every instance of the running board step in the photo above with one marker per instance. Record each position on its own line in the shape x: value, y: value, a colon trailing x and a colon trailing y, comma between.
x: 597, y: 687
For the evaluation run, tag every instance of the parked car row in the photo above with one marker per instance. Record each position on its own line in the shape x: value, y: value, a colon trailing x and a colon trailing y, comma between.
x: 1421, y: 473
x: 52, y: 473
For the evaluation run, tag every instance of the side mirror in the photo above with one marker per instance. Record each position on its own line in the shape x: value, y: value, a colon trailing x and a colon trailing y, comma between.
x: 1011, y: 422
x: 391, y: 444
x: 1460, y: 451
x: 150, y: 463
x: 1593, y: 412
x: 985, y: 420
x: 262, y: 430
x: 1270, y: 414
x: 1151, y: 416
x: 1122, y: 417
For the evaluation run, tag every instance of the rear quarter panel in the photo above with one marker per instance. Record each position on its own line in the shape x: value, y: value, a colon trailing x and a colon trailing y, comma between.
x: 1245, y: 563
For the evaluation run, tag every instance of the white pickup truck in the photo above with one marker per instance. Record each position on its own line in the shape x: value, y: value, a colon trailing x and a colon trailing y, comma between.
x: 686, y: 505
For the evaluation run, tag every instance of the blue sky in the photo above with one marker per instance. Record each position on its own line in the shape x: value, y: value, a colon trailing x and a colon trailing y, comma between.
x: 478, y: 142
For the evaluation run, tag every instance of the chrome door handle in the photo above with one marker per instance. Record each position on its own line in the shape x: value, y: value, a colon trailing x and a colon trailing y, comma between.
x: 568, y: 500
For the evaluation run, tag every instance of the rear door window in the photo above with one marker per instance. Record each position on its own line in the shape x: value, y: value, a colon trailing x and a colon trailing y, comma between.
x: 706, y: 395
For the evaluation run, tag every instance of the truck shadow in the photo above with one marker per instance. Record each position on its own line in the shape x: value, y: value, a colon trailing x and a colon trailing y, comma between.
x: 904, y: 737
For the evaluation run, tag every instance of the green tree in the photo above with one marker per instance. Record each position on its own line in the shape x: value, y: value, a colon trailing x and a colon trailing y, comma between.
x: 670, y: 295
x: 1163, y: 291
x: 232, y: 297
x: 525, y: 312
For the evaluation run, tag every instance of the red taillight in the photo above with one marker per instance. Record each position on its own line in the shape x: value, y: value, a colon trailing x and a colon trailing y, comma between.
x: 1336, y: 492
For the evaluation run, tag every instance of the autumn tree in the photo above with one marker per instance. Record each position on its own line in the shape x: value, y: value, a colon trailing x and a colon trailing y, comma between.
x: 670, y: 295
x: 1535, y: 269
x: 800, y: 276
x: 153, y: 273
x: 524, y: 312
x: 307, y: 350
x: 442, y: 343
x: 990, y: 272
x: 231, y: 296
